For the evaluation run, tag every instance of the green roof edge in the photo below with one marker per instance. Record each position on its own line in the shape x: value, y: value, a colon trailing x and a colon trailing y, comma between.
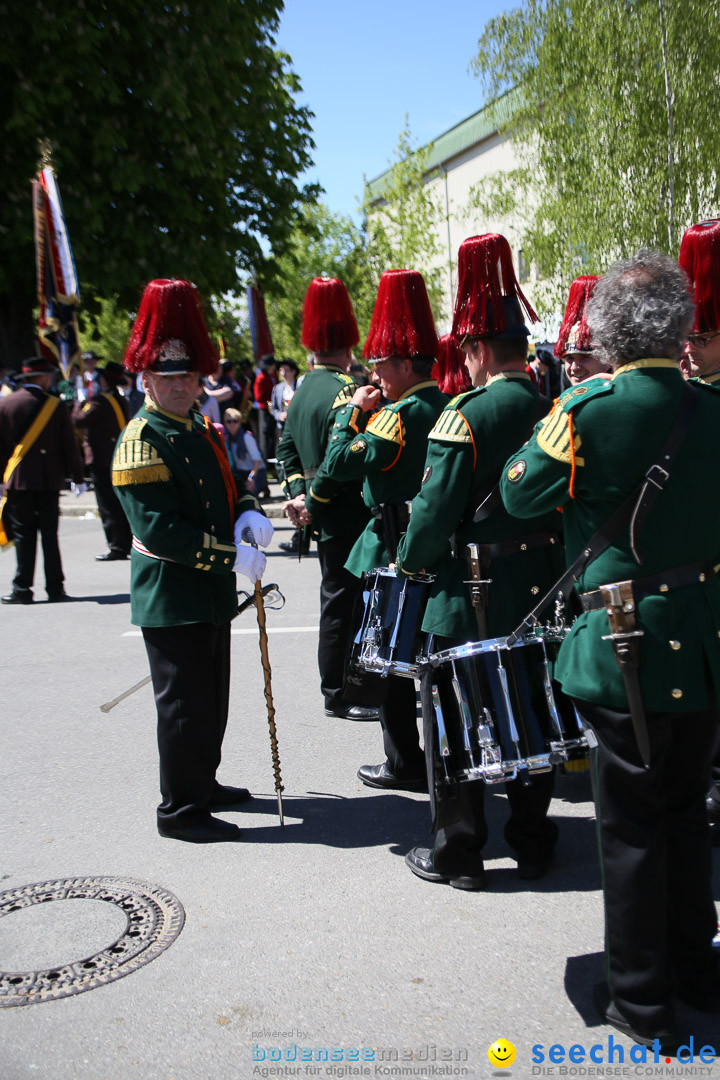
x: 460, y: 137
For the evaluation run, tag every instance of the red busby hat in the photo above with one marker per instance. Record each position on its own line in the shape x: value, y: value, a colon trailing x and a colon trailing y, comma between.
x: 452, y: 377
x: 574, y: 335
x: 700, y: 259
x: 402, y: 322
x: 489, y: 301
x: 169, y: 335
x: 328, y: 317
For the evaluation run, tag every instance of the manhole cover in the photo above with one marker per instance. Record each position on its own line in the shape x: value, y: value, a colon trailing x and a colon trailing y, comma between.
x: 153, y: 919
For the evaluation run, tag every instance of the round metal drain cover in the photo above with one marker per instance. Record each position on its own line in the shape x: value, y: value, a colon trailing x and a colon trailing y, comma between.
x: 153, y: 919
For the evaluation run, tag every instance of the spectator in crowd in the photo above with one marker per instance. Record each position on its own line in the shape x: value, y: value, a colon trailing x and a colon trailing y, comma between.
x: 282, y: 394
x: 245, y: 458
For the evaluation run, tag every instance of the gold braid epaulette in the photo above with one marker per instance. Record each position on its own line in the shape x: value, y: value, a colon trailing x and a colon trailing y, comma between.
x: 137, y: 461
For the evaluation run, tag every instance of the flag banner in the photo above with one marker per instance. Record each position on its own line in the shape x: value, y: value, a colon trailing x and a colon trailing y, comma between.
x: 57, y: 284
x: 259, y: 329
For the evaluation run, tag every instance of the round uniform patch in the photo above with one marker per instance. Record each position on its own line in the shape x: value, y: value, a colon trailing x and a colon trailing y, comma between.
x: 516, y: 472
x: 579, y: 391
x: 427, y: 474
x: 359, y: 446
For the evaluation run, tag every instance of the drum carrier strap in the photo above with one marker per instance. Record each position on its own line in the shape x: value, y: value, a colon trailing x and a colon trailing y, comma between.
x: 619, y: 598
x: 391, y: 522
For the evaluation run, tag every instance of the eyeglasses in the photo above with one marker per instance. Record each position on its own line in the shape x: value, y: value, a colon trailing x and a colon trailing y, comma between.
x: 701, y: 340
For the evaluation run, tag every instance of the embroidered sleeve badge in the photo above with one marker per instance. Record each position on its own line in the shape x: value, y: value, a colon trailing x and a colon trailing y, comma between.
x: 516, y: 471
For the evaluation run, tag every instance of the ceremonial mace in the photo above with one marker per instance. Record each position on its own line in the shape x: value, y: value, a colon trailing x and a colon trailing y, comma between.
x: 247, y: 536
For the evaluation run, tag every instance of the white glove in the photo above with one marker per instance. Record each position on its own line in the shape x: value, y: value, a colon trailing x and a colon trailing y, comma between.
x: 250, y: 562
x: 78, y: 489
x: 260, y: 527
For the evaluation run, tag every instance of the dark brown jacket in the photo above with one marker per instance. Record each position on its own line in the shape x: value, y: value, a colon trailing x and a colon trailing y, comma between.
x: 99, y: 420
x: 54, y: 455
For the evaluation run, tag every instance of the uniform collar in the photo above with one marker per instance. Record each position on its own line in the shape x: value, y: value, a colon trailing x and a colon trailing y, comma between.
x: 151, y: 407
x: 508, y: 375
x: 641, y: 365
x: 415, y: 387
x: 712, y: 378
x: 330, y: 367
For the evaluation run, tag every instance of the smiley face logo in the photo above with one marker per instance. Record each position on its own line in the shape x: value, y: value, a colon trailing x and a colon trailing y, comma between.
x: 501, y: 1053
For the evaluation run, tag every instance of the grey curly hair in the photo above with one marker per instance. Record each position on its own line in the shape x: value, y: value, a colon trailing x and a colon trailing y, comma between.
x: 641, y: 308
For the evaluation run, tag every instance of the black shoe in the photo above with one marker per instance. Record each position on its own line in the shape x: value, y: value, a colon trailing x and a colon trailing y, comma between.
x: 57, y: 597
x: 111, y: 556
x: 532, y: 869
x: 610, y: 1014
x: 223, y: 796
x: 18, y: 596
x: 420, y: 862
x: 212, y: 831
x: 353, y: 712
x: 382, y: 776
x: 707, y: 1001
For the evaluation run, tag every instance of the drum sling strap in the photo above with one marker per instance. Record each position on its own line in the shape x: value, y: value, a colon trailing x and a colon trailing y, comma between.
x: 391, y: 522
x: 619, y: 597
x: 37, y: 427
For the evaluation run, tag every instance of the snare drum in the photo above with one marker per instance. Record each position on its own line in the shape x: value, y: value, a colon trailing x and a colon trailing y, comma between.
x: 498, y: 712
x: 389, y: 639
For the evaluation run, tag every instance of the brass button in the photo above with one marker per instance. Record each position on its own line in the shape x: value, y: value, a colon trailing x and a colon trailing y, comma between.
x: 187, y: 460
x: 535, y: 590
x: 675, y: 645
x: 200, y: 481
x: 212, y: 527
x: 701, y: 577
x: 677, y: 694
x: 334, y: 438
x: 198, y: 555
x: 227, y: 561
x: 212, y: 558
x: 207, y: 505
x: 664, y: 588
x: 523, y: 547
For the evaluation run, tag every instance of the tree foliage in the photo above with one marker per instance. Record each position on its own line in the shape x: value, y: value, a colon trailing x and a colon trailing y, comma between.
x: 617, y: 116
x: 404, y: 220
x: 174, y: 133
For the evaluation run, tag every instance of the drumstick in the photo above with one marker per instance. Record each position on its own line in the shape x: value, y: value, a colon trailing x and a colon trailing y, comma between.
x: 121, y: 697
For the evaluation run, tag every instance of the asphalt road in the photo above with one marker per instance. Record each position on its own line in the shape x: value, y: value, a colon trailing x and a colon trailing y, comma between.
x: 298, y: 941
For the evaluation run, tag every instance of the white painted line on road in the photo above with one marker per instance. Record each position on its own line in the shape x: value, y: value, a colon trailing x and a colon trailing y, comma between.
x: 251, y: 630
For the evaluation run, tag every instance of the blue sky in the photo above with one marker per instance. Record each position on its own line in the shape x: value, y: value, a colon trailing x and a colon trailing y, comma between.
x: 363, y: 66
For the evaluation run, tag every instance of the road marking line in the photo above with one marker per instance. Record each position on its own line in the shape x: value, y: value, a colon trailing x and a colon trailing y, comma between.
x: 251, y: 630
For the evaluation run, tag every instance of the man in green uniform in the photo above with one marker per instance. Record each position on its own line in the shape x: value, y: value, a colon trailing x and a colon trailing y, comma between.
x: 652, y: 602
x: 173, y: 478
x: 466, y: 452
x: 700, y: 259
x: 333, y: 508
x: 387, y: 449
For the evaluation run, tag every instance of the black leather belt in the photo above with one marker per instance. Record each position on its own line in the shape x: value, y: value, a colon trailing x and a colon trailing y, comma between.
x: 510, y: 547
x: 656, y: 585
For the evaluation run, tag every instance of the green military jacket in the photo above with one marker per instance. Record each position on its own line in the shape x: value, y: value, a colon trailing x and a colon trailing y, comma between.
x: 588, y: 455
x: 467, y: 448
x: 336, y: 505
x: 388, y: 450
x: 172, y: 489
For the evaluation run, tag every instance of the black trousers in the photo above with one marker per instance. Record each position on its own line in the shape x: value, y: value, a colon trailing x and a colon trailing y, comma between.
x: 117, y: 530
x: 190, y: 668
x: 30, y: 513
x: 655, y: 856
x: 398, y: 716
x: 266, y: 435
x: 459, y: 808
x: 338, y: 590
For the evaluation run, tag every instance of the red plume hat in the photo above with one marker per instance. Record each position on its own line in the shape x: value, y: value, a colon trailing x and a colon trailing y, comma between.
x: 169, y: 335
x: 700, y: 259
x: 574, y: 335
x: 328, y: 317
x: 402, y: 321
x: 489, y: 301
x: 453, y: 377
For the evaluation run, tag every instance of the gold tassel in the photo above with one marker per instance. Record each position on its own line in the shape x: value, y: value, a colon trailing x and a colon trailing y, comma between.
x: 146, y: 474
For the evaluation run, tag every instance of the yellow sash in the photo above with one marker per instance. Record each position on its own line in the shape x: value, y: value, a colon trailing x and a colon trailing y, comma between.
x: 30, y: 436
x: 118, y: 411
